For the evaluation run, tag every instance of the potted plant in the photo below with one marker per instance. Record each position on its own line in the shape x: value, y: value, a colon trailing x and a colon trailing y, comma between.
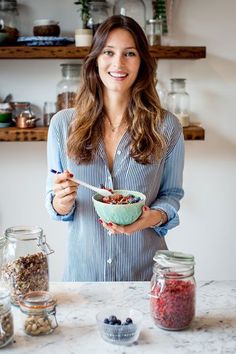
x: 160, y: 12
x: 84, y: 11
x: 84, y: 35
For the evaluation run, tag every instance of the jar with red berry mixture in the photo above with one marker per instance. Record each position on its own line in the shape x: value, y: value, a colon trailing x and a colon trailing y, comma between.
x: 173, y: 290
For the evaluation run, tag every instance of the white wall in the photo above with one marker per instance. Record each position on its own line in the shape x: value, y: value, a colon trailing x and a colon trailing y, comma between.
x: 208, y: 210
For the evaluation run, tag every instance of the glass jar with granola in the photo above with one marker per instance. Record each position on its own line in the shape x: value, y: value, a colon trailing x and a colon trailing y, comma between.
x: 172, y: 296
x: 67, y: 87
x: 25, y: 261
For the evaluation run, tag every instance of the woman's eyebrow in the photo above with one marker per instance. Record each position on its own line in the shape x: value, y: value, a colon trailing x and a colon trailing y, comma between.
x: 110, y: 46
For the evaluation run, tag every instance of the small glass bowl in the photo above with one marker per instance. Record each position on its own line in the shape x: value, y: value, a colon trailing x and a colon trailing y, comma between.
x: 123, y: 334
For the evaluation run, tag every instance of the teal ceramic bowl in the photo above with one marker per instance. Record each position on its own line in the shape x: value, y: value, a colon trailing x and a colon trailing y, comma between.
x: 121, y: 214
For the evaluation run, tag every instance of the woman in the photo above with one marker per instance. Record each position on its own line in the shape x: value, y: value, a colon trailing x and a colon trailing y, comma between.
x: 117, y: 136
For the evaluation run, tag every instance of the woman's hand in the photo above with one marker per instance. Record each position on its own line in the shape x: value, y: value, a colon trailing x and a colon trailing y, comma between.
x: 148, y: 218
x: 65, y: 192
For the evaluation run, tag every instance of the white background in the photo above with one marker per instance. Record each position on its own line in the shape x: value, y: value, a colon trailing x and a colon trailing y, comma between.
x: 208, y: 210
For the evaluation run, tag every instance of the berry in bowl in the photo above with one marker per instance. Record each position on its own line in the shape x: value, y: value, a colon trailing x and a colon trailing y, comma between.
x: 119, y: 326
x: 123, y: 207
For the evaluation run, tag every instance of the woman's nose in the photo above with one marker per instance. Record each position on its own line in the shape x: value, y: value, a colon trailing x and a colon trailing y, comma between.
x: 118, y: 60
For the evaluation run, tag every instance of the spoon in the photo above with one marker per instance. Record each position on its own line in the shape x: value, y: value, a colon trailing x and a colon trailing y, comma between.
x: 101, y: 191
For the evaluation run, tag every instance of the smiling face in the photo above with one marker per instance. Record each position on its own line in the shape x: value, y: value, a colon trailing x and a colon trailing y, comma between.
x: 119, y: 62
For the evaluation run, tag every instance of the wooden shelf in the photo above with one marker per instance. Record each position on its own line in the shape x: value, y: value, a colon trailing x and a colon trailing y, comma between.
x: 72, y: 52
x: 19, y: 134
x: 193, y: 132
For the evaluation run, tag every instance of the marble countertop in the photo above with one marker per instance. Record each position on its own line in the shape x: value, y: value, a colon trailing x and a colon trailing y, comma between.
x: 212, y: 331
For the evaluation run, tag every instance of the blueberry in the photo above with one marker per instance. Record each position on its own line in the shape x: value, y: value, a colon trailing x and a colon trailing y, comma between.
x: 118, y: 322
x: 112, y: 318
x: 128, y: 320
x: 106, y: 321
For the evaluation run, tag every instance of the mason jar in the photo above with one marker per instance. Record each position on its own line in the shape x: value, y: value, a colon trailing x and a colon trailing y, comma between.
x: 6, y: 318
x: 173, y: 290
x: 98, y: 11
x: 38, y: 313
x: 25, y: 261
x: 9, y: 19
x: 154, y: 31
x: 67, y: 87
x: 178, y: 101
x: 132, y: 8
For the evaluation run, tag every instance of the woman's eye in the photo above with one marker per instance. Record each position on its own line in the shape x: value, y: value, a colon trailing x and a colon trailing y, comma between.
x: 130, y: 54
x: 108, y: 52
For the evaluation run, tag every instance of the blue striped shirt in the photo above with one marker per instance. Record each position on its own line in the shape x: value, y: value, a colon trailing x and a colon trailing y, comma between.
x: 93, y: 255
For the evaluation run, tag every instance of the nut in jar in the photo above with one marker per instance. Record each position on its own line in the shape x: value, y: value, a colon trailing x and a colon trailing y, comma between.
x: 39, y: 313
x: 25, y: 263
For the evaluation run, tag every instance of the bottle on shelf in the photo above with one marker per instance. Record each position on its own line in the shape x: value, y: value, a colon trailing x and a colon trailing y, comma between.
x: 49, y: 109
x: 178, y: 101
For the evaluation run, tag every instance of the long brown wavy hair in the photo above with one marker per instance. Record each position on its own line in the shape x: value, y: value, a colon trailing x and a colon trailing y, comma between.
x: 143, y: 114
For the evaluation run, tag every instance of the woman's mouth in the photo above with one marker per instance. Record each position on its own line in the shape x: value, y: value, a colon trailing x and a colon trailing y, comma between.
x: 117, y: 75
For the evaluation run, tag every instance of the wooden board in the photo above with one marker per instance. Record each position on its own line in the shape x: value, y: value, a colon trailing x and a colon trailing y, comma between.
x: 193, y: 132
x: 72, y: 52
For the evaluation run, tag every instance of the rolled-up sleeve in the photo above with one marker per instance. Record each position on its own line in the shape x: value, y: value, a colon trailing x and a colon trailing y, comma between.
x: 55, y: 156
x: 171, y: 191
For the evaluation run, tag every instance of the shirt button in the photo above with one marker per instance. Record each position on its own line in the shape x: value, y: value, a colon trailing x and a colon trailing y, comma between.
x: 109, y: 261
x: 118, y: 152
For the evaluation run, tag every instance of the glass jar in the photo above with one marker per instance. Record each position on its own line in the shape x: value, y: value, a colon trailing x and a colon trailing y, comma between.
x: 178, y: 101
x: 39, y: 313
x: 20, y: 107
x: 49, y: 109
x: 67, y: 88
x: 6, y: 318
x: 98, y: 11
x: 9, y: 19
x: 25, y: 262
x: 132, y: 8
x: 162, y: 93
x: 173, y: 288
x: 154, y: 31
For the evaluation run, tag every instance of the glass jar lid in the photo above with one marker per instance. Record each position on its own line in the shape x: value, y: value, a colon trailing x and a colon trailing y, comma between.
x: 24, y: 233
x: 37, y: 301
x: 8, y: 5
x: 70, y: 70
x: 167, y: 259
